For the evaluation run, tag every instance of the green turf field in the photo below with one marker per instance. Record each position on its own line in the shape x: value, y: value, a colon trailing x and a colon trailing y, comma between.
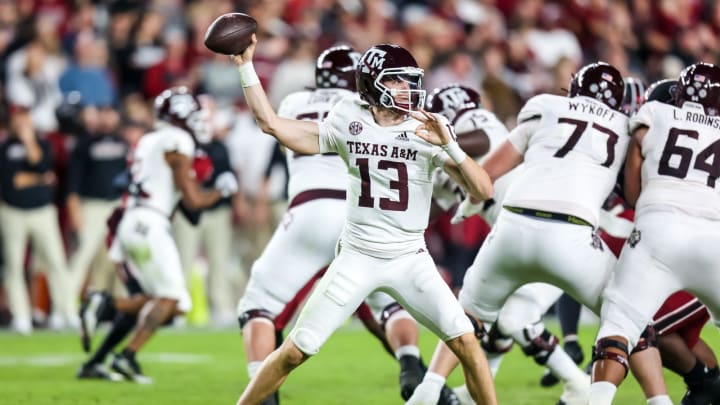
x: 207, y: 367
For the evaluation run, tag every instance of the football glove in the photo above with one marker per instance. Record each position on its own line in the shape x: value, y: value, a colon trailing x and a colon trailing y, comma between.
x: 465, y: 210
x: 226, y: 183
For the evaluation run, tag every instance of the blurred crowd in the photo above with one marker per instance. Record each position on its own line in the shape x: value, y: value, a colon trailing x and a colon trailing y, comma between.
x: 78, y: 78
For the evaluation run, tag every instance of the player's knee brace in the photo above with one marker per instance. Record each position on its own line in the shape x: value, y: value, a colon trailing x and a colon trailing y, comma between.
x: 600, y: 352
x: 495, y: 342
x: 538, y: 342
x: 251, y: 314
x: 388, y: 312
x: 477, y: 327
x: 647, y: 340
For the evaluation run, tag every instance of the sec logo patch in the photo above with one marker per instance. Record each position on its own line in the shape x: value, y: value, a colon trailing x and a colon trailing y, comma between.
x: 355, y: 127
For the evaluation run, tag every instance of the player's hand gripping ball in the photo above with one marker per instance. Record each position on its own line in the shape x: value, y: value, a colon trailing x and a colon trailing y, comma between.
x: 230, y: 34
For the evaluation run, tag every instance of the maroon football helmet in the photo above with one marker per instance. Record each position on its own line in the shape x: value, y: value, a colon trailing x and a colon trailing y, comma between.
x: 335, y: 68
x: 452, y: 100
x: 600, y: 81
x: 662, y: 91
x: 634, y: 95
x: 383, y: 63
x: 178, y: 107
x: 699, y: 83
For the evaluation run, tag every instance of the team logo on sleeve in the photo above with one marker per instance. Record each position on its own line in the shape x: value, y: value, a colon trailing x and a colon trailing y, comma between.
x: 355, y: 127
x: 634, y: 238
x: 597, y: 242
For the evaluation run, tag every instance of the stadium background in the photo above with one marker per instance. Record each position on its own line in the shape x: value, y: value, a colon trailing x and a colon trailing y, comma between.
x: 65, y: 59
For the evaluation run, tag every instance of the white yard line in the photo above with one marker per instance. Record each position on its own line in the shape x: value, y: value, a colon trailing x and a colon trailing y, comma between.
x: 62, y: 359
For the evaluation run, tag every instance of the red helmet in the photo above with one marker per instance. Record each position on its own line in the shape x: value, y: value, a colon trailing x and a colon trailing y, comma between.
x: 452, y: 100
x: 634, y: 95
x: 662, y: 91
x: 178, y: 107
x: 600, y: 81
x: 383, y: 63
x: 700, y: 83
x: 335, y: 68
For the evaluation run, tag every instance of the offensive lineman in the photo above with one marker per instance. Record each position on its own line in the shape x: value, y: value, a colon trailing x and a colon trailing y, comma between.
x: 670, y: 177
x: 390, y: 150
x: 520, y: 319
x: 572, y: 148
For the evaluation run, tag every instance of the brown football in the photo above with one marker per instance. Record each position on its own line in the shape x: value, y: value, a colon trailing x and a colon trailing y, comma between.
x: 231, y: 33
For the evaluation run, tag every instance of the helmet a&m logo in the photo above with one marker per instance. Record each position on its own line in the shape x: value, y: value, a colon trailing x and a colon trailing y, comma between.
x: 454, y: 98
x: 355, y: 127
x: 374, y: 59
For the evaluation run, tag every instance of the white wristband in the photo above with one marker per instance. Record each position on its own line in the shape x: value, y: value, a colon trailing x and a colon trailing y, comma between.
x: 248, y: 77
x: 454, y: 151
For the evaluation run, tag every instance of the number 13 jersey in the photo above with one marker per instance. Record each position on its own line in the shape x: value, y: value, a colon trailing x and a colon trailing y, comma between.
x: 681, y: 163
x: 573, y: 149
x: 390, y: 187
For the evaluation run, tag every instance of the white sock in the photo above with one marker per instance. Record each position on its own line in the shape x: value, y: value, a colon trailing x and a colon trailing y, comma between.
x: 494, y: 361
x: 253, y: 367
x: 563, y: 367
x: 602, y: 393
x: 660, y: 400
x: 434, y: 378
x: 407, y: 350
x: 464, y: 395
x: 428, y: 392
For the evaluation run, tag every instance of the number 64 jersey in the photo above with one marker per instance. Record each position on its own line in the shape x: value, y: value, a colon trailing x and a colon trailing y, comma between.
x: 573, y: 149
x: 390, y: 179
x: 681, y: 163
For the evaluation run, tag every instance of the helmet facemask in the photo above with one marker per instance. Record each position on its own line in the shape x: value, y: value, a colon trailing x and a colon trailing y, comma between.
x: 410, y: 99
x: 634, y: 96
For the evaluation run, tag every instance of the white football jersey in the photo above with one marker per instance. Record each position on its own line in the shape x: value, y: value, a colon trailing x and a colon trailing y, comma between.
x: 480, y: 118
x: 445, y: 193
x: 681, y: 163
x: 573, y: 149
x: 390, y: 179
x: 497, y: 134
x: 151, y: 176
x: 313, y: 171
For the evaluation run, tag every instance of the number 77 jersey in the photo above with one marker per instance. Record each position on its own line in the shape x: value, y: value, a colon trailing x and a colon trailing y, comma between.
x: 681, y: 163
x: 573, y: 149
